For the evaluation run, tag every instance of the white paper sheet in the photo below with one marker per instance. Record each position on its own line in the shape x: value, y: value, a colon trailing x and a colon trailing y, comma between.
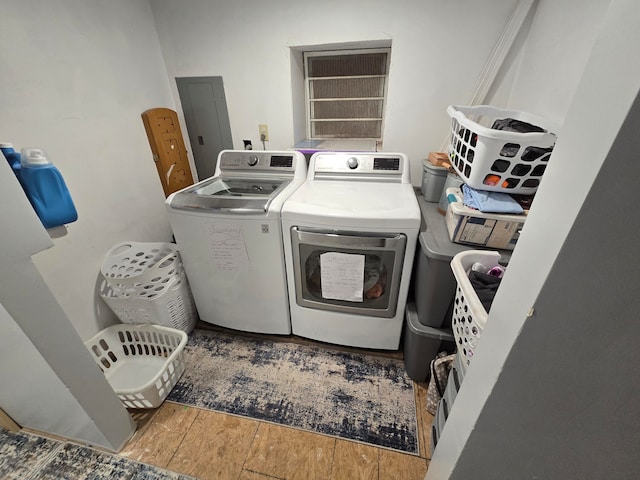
x: 342, y: 276
x: 227, y: 247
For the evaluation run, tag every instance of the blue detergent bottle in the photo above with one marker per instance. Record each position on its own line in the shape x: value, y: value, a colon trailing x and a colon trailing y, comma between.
x: 45, y: 188
x: 12, y: 156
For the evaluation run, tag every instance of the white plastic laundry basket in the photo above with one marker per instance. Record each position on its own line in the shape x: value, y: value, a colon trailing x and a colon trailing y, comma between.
x: 142, y: 363
x: 499, y: 160
x: 146, y: 283
x: 469, y: 316
x: 135, y: 267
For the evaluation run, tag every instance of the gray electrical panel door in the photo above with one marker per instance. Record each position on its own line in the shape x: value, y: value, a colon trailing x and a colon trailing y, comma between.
x: 207, y: 120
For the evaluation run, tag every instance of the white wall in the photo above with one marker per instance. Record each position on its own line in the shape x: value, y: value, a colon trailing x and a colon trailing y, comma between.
x: 76, y: 77
x: 541, y: 73
x: 43, y: 400
x: 438, y: 48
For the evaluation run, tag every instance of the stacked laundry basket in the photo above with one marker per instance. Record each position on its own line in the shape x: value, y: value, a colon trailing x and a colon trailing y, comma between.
x: 146, y: 287
x: 146, y: 283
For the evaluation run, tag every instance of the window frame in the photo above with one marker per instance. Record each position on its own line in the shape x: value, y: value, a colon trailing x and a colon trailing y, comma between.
x: 307, y: 89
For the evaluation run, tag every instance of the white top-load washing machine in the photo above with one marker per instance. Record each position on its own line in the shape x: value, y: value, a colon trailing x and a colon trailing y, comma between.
x: 228, y: 231
x: 350, y: 235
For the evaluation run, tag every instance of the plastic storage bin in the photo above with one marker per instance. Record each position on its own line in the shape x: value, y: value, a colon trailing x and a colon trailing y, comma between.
x: 472, y: 227
x: 445, y: 405
x: 434, y: 285
x: 438, y: 423
x: 499, y: 160
x: 469, y: 316
x: 422, y: 344
x: 146, y: 283
x: 433, y: 178
x: 142, y: 363
x: 453, y: 385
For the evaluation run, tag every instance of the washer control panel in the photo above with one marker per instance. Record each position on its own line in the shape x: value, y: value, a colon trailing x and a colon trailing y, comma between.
x: 250, y: 160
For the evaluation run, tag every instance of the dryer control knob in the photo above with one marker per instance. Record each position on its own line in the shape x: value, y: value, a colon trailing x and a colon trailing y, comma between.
x: 252, y: 160
x: 352, y: 163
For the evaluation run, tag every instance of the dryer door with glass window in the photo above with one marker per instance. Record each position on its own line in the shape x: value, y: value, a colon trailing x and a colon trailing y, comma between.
x: 348, y: 272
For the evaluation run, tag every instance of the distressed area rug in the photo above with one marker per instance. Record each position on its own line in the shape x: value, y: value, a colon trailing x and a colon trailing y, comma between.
x: 359, y: 397
x: 29, y: 457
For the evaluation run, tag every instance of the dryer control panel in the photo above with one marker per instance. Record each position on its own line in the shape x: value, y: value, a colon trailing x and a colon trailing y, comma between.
x: 372, y: 165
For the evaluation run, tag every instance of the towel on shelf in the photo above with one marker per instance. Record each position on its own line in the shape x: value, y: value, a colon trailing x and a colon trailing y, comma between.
x: 490, y: 202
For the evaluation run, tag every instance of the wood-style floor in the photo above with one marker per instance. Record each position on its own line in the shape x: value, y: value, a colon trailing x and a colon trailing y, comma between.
x: 210, y: 445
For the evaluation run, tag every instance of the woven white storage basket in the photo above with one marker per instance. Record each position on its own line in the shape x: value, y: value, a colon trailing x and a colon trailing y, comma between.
x: 469, y: 316
x: 499, y: 160
x: 142, y: 363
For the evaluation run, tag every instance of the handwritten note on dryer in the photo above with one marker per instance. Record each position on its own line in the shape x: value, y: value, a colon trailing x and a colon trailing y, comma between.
x: 342, y: 276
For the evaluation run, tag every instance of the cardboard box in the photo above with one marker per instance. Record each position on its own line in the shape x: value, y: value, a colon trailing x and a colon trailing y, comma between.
x: 439, y: 159
x: 472, y: 227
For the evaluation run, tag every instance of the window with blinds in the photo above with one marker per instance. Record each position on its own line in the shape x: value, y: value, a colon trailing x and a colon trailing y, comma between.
x: 346, y: 93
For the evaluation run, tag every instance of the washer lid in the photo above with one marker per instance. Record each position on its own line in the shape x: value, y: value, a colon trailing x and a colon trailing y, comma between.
x: 233, y: 194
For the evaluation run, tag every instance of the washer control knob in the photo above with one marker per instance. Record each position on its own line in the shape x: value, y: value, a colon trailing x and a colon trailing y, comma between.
x: 352, y: 163
x: 252, y: 160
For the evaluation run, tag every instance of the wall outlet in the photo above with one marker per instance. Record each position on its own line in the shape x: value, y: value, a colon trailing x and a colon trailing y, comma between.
x: 263, y: 129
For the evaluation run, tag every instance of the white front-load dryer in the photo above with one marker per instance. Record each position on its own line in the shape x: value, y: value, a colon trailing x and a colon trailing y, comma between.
x: 350, y: 235
x: 228, y: 231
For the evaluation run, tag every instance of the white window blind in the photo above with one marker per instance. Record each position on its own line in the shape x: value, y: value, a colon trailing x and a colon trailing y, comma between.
x: 345, y: 93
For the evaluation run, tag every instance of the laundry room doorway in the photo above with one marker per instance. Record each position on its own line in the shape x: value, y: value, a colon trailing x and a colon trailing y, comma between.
x: 207, y: 120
